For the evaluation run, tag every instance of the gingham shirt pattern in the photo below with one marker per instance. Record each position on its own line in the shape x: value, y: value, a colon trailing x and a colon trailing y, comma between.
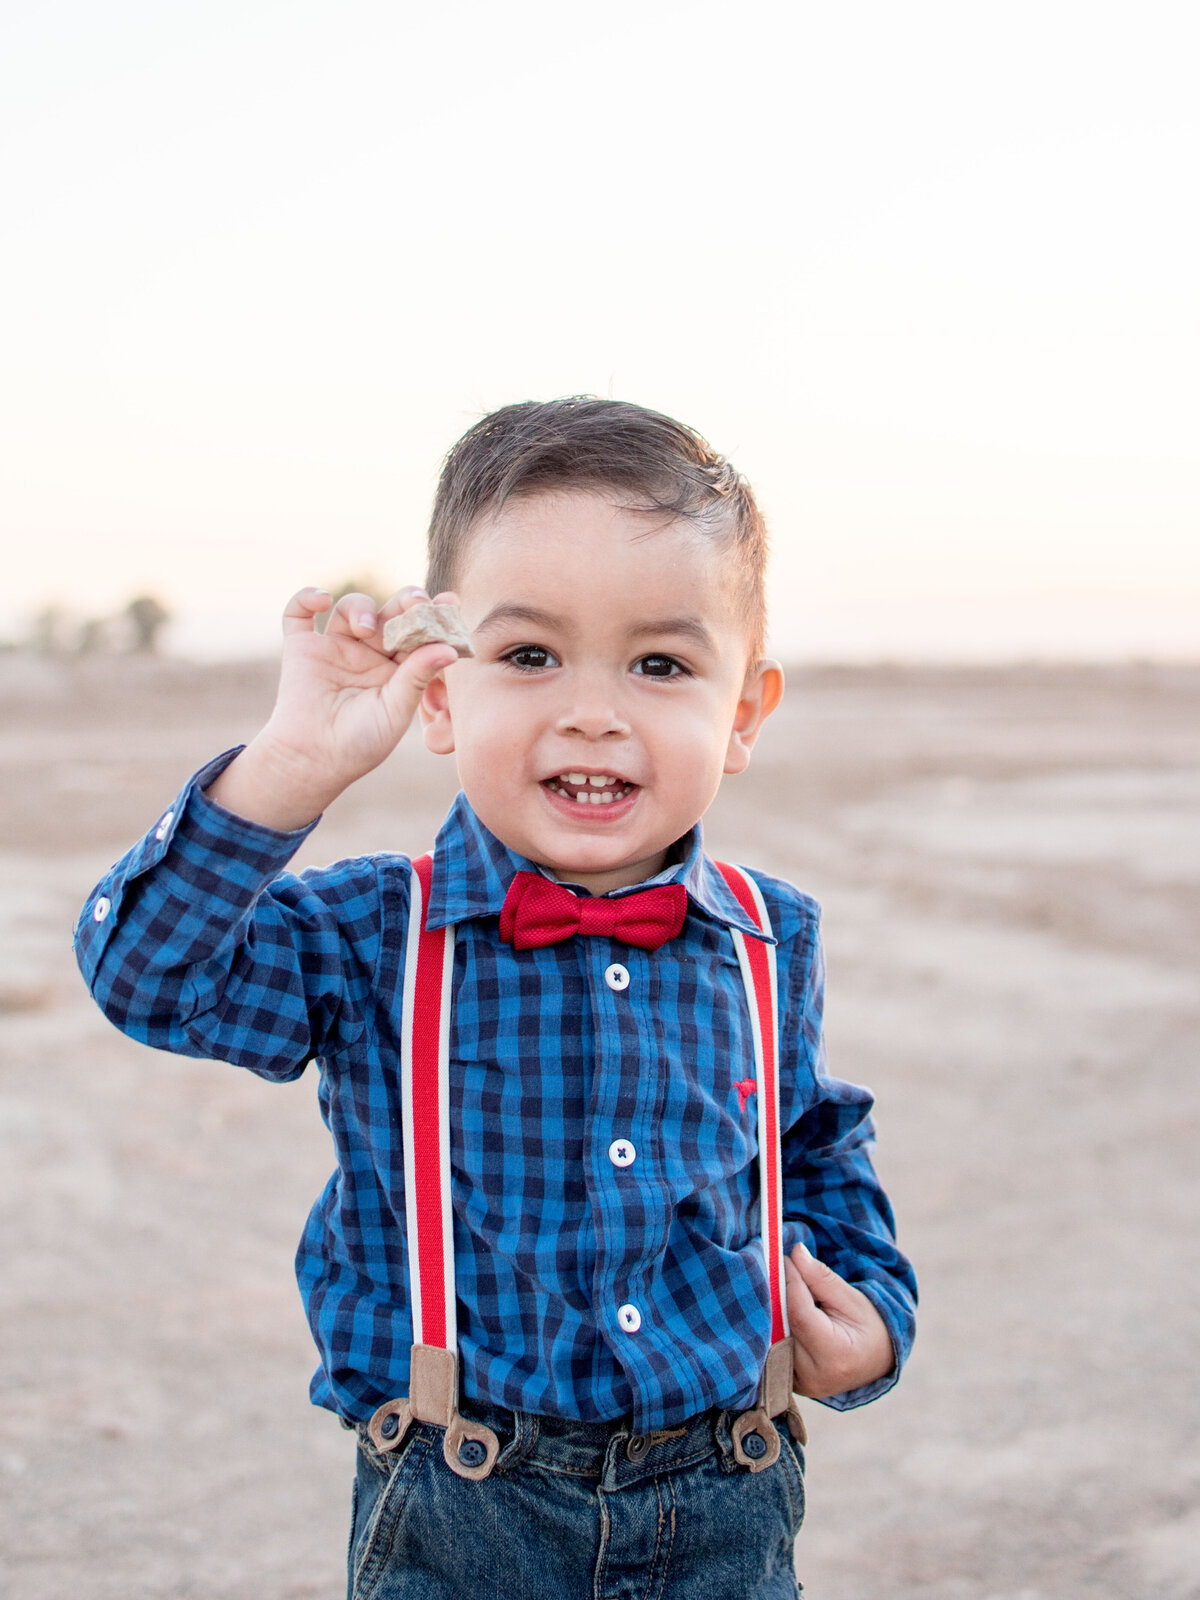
x: 199, y: 942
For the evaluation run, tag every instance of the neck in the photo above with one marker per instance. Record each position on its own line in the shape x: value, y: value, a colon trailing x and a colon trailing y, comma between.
x: 618, y: 878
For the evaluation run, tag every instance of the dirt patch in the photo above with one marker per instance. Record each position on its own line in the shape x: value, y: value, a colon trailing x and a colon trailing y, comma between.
x: 1010, y: 868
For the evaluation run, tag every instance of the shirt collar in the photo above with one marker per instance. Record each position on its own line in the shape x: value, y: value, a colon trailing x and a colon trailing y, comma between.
x: 472, y: 870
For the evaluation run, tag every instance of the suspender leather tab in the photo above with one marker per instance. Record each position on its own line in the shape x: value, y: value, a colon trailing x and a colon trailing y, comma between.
x: 388, y: 1426
x: 795, y: 1422
x: 774, y: 1400
x: 775, y: 1387
x: 470, y: 1448
x: 433, y: 1384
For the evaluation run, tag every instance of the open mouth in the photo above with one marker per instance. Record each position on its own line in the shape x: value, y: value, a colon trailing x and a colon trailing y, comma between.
x: 590, y: 788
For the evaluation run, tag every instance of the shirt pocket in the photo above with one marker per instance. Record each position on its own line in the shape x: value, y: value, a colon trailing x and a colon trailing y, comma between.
x: 709, y: 1124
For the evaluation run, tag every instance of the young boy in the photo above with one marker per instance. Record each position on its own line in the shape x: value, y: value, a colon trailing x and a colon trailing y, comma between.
x: 605, y: 1431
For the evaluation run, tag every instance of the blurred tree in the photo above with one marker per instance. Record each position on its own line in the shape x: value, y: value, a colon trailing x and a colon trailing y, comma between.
x: 92, y: 637
x: 147, y: 617
x: 373, y: 587
x: 47, y: 633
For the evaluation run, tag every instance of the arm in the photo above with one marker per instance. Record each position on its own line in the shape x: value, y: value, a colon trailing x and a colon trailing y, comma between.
x: 851, y: 1292
x: 199, y: 943
x: 194, y: 942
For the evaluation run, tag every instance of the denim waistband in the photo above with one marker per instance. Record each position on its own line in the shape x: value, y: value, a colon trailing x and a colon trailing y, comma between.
x: 608, y: 1451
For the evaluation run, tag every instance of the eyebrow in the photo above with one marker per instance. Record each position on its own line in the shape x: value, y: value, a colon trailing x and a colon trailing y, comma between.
x: 513, y: 611
x: 689, y: 627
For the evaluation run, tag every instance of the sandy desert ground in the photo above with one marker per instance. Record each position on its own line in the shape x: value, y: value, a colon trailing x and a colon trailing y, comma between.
x: 1010, y: 866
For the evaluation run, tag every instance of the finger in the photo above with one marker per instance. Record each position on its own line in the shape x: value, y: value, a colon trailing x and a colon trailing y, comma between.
x: 794, y: 1282
x: 825, y: 1312
x: 411, y: 595
x: 808, y: 1322
x: 831, y: 1292
x: 819, y: 1346
x: 303, y: 607
x: 446, y: 597
x: 356, y: 615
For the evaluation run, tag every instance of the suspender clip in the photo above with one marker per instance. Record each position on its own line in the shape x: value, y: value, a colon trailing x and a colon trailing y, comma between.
x: 755, y: 1436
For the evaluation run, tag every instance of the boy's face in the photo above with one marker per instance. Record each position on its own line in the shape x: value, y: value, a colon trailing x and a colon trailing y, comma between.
x: 611, y: 686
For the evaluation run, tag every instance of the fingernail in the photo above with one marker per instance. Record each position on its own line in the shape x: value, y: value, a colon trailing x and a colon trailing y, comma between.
x: 366, y: 620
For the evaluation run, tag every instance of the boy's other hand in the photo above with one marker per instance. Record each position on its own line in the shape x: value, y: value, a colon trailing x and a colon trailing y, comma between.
x: 840, y: 1341
x: 342, y: 707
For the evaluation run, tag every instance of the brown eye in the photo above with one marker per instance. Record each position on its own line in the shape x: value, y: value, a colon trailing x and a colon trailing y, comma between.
x: 659, y: 667
x: 530, y: 658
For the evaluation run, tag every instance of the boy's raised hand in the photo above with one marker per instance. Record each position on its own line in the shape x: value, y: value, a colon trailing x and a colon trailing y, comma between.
x: 342, y: 707
x: 839, y: 1340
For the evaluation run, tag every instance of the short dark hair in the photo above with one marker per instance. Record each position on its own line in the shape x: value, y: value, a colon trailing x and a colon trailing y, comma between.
x: 582, y: 442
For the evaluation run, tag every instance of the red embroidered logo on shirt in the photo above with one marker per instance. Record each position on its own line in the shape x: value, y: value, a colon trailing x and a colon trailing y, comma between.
x: 745, y: 1089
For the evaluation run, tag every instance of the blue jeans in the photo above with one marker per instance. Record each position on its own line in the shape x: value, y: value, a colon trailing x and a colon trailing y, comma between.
x: 576, y: 1511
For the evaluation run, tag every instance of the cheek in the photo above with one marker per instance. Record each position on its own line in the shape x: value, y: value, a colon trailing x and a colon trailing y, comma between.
x: 696, y: 730
x: 489, y: 732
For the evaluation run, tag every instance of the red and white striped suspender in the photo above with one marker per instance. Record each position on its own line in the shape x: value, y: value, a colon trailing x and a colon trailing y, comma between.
x: 757, y: 960
x: 754, y: 1429
x: 470, y: 1449
x: 425, y: 1109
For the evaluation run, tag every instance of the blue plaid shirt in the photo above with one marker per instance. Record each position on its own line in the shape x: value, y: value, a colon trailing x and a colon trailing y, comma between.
x: 198, y: 942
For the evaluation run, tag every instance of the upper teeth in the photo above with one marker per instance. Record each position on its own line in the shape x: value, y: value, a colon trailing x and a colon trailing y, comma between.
x: 600, y: 789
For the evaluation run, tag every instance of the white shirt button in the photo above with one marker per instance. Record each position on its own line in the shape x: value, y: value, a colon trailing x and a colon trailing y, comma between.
x: 621, y: 1153
x: 101, y: 909
x: 160, y: 833
x: 630, y: 1318
x: 617, y: 976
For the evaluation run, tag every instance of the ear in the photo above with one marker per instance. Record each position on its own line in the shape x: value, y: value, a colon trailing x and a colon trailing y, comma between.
x: 434, y: 712
x: 761, y: 693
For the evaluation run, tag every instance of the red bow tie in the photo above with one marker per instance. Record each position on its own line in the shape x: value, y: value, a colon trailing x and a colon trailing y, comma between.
x: 537, y: 911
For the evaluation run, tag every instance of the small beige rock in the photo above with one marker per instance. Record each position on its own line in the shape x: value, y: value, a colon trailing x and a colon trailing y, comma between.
x: 425, y: 624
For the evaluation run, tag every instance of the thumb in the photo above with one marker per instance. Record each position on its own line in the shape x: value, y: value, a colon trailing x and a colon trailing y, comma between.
x: 424, y: 664
x: 403, y: 690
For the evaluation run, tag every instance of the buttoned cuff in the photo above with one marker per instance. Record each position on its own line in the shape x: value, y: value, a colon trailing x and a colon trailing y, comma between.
x: 899, y: 1321
x: 212, y: 849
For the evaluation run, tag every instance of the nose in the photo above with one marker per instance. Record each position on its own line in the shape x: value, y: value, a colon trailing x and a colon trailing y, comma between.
x: 592, y: 714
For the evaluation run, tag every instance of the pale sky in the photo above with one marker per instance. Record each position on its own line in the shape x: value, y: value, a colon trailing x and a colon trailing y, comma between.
x: 928, y: 272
